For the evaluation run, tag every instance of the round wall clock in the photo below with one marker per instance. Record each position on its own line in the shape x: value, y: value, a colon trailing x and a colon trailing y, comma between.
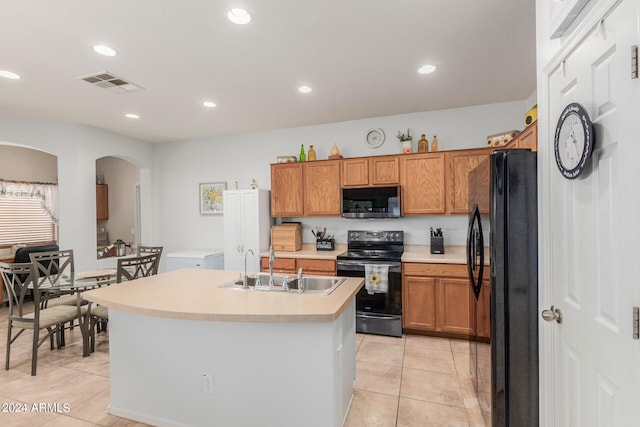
x: 375, y: 137
x: 573, y: 142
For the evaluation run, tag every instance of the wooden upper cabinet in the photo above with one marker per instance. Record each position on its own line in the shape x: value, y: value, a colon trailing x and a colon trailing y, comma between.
x: 355, y: 172
x: 371, y: 171
x: 322, y: 188
x: 423, y: 183
x: 102, y: 202
x: 385, y: 170
x: 459, y: 165
x: 528, y: 138
x: 287, y: 190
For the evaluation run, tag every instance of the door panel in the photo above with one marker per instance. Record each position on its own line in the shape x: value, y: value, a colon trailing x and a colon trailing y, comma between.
x: 593, y: 228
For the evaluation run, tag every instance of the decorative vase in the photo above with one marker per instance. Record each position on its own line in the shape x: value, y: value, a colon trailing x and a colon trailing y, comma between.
x: 406, y: 147
x: 423, y: 145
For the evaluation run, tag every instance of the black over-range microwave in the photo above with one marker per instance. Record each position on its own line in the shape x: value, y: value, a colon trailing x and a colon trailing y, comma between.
x: 371, y: 202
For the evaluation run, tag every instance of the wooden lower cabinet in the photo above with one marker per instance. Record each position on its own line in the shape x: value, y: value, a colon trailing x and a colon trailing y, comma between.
x: 419, y: 300
x: 454, y: 306
x: 484, y: 311
x: 310, y: 266
x: 436, y: 298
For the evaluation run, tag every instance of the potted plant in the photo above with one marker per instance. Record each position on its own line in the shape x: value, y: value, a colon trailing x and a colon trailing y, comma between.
x: 405, y: 140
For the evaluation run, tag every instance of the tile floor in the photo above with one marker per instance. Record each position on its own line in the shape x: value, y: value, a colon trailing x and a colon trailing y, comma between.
x: 411, y: 381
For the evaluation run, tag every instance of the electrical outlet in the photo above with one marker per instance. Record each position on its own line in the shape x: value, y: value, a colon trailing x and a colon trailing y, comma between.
x: 208, y: 384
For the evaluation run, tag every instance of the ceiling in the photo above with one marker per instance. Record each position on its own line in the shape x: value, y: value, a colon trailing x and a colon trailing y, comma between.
x: 359, y: 56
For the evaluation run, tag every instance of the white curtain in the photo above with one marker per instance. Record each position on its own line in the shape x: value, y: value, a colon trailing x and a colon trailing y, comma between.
x: 47, y: 193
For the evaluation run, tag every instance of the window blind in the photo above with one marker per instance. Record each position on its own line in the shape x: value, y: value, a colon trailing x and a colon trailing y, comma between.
x: 24, y: 221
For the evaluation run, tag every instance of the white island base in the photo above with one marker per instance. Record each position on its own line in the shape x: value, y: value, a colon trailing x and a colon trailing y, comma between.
x: 176, y: 372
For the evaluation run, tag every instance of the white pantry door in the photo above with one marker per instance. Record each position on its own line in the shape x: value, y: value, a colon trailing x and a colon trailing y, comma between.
x: 595, y: 233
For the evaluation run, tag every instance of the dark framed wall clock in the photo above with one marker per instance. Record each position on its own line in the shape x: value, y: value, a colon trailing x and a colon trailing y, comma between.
x: 573, y: 141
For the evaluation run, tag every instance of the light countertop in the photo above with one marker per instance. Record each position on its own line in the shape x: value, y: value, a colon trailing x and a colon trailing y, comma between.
x: 194, y: 294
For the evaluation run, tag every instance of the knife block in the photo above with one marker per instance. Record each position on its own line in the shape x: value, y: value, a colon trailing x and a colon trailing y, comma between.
x: 437, y: 245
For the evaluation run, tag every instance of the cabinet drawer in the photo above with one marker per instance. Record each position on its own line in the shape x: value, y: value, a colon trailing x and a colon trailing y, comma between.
x: 281, y: 265
x: 317, y: 266
x: 434, y: 270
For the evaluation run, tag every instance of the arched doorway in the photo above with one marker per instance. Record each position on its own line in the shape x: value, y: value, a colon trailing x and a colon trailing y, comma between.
x: 117, y: 205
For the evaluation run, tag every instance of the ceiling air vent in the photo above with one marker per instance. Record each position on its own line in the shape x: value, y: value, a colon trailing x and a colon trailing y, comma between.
x: 111, y: 82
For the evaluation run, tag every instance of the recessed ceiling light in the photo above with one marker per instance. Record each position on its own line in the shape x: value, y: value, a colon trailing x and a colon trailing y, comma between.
x: 105, y: 50
x: 427, y: 69
x: 132, y: 116
x: 239, y: 16
x: 9, y: 75
x: 209, y: 104
x: 305, y: 89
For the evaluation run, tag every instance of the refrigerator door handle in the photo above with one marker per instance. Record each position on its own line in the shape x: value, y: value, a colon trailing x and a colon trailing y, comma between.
x: 475, y: 244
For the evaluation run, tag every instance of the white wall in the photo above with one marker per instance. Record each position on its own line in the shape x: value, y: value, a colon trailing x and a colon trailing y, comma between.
x: 180, y: 166
x: 170, y: 173
x: 77, y: 147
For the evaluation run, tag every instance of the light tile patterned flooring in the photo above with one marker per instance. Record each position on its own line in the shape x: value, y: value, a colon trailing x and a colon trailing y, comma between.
x: 411, y: 381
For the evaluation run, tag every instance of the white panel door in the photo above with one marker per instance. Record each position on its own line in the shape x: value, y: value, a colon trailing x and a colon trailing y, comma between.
x: 595, y: 236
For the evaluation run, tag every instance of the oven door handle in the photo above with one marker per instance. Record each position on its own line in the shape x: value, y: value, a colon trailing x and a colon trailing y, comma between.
x: 393, y: 266
x: 365, y: 316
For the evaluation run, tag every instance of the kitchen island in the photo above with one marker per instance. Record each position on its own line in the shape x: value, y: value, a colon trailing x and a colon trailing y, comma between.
x: 184, y: 351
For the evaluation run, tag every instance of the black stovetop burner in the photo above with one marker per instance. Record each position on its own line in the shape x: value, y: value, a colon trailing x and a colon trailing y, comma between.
x: 374, y: 245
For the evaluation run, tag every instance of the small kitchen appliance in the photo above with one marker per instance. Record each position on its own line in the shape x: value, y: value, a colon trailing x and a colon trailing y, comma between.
x: 371, y: 202
x: 378, y: 311
x: 121, y: 247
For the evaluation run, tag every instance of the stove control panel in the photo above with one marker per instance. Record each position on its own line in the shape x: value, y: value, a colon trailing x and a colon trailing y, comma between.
x: 376, y: 236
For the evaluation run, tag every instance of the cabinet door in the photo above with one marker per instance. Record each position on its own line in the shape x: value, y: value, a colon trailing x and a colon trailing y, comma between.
x: 419, y: 303
x: 385, y: 170
x: 286, y: 190
x: 422, y: 180
x: 528, y: 138
x: 460, y: 164
x: 454, y: 306
x: 322, y: 188
x: 102, y: 202
x: 322, y: 267
x: 355, y: 172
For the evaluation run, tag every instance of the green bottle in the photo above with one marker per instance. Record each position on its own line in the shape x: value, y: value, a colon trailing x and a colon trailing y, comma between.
x: 303, y: 157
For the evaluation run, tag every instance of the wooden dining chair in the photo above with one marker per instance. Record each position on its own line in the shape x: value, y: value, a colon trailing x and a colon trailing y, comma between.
x: 128, y: 269
x: 146, y: 250
x: 19, y: 279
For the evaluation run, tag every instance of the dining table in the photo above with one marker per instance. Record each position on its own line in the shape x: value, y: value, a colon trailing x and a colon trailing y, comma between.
x: 75, y: 284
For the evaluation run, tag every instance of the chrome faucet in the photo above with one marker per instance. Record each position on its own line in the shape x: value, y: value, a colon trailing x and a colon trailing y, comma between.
x: 245, y: 281
x: 300, y: 288
x: 272, y: 259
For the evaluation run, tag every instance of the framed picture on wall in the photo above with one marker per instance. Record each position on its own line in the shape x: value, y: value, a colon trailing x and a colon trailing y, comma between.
x: 211, y: 197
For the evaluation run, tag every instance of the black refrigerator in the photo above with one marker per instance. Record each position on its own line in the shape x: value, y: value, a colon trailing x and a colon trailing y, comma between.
x: 503, y: 198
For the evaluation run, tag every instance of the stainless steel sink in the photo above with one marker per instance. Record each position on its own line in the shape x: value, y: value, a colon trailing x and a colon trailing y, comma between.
x: 314, y: 285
